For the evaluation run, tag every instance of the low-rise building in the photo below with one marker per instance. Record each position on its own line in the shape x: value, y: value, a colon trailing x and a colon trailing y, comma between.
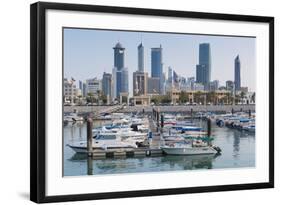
x: 70, y: 91
x: 93, y: 86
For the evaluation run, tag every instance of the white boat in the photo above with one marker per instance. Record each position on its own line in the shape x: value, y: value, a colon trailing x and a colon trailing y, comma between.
x: 104, y: 142
x: 188, y: 149
x: 109, y: 129
x: 132, y: 135
x: 196, y: 133
x: 143, y: 128
x: 173, y: 138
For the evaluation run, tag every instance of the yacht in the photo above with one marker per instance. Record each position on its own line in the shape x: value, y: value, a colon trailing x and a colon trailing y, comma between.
x: 104, y: 142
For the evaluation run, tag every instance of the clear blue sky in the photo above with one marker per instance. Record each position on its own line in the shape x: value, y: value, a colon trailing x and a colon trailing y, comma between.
x: 88, y: 53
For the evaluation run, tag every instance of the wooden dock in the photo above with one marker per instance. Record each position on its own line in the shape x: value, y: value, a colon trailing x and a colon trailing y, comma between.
x: 126, y: 152
x: 153, y: 148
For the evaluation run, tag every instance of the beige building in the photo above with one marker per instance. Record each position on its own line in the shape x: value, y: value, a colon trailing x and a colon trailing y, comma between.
x: 140, y: 83
x: 202, y: 97
x: 70, y: 91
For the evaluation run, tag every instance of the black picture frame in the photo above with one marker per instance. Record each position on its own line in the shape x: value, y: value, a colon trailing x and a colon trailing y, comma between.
x: 38, y: 100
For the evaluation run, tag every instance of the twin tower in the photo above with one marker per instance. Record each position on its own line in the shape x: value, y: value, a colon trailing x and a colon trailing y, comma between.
x: 142, y: 84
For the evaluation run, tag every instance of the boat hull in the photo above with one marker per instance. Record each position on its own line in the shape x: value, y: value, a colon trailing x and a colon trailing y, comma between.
x: 78, y: 149
x: 189, y: 150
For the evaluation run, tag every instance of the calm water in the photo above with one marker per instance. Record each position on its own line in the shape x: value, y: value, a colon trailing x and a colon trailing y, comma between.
x: 238, y: 150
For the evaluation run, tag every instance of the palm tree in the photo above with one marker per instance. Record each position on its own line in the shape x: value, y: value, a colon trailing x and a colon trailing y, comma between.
x: 98, y: 92
x: 90, y: 97
x: 253, y: 98
x: 242, y: 96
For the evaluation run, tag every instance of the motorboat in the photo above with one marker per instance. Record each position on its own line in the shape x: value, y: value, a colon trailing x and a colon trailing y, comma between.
x: 188, y: 149
x: 250, y: 128
x: 187, y: 128
x: 104, y: 142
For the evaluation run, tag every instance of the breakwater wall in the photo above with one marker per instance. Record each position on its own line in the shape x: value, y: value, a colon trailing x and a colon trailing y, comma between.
x: 167, y: 109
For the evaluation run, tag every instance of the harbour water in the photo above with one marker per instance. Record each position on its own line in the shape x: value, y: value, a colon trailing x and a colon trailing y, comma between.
x: 238, y: 151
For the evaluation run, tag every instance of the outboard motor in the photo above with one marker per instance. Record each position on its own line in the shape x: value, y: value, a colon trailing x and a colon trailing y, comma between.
x: 134, y: 127
x: 218, y: 149
x: 220, y: 123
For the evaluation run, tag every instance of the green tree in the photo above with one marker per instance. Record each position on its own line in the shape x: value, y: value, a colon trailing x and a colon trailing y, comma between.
x: 90, y: 97
x: 211, y: 97
x: 253, y: 97
x: 166, y: 99
x: 155, y: 100
x: 183, y: 98
x: 242, y: 96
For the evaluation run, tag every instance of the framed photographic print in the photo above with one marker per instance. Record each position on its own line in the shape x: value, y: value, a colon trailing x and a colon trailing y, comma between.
x: 129, y: 102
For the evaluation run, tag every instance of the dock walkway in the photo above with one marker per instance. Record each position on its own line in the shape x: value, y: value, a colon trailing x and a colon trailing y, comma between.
x: 127, y: 152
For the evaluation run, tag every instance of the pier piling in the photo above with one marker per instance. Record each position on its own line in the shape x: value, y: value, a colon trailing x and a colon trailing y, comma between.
x: 209, y: 129
x: 89, y: 136
x: 162, y: 120
x: 90, y: 166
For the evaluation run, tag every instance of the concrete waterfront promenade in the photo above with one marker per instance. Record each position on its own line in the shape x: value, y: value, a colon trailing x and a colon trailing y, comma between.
x: 171, y: 109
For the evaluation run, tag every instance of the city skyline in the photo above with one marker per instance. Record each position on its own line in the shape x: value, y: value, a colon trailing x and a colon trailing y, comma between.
x: 87, y: 54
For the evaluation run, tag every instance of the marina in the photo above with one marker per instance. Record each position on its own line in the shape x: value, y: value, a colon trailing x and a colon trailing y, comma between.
x: 129, y: 138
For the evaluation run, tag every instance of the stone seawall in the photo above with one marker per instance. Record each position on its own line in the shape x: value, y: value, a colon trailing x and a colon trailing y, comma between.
x: 176, y: 109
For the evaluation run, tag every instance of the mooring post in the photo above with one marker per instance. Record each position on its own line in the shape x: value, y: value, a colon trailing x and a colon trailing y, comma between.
x: 162, y: 122
x: 209, y: 129
x: 250, y: 113
x: 232, y: 111
x: 191, y: 114
x: 89, y: 136
x: 158, y: 118
x: 90, y: 166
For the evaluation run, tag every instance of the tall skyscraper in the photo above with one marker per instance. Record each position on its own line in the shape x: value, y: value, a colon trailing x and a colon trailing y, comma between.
x: 119, y: 52
x: 124, y: 80
x: 214, y: 85
x: 157, y: 65
x: 80, y: 85
x: 229, y: 85
x: 153, y: 85
x: 170, y: 74
x: 237, y: 77
x: 140, y: 58
x: 190, y: 83
x: 121, y: 78
x: 84, y: 90
x: 203, y: 69
x: 107, y: 84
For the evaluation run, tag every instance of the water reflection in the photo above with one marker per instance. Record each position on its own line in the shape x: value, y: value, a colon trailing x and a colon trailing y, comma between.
x: 238, y: 150
x: 111, y: 165
x: 190, y: 162
x: 236, y: 143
